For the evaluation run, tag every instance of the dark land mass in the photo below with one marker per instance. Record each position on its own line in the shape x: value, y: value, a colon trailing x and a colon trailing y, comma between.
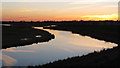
x: 23, y: 34
x: 106, y: 30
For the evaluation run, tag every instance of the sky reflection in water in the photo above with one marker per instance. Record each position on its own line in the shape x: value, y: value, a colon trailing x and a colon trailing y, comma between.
x: 63, y: 46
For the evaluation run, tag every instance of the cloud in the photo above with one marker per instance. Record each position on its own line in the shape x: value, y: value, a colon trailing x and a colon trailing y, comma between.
x: 27, y: 9
x: 22, y: 17
x: 101, y: 16
x: 104, y: 17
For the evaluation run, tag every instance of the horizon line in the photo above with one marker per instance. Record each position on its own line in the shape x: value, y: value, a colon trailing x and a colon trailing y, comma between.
x: 60, y: 21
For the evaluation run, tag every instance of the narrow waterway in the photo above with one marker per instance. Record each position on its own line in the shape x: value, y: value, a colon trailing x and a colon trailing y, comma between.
x: 63, y: 46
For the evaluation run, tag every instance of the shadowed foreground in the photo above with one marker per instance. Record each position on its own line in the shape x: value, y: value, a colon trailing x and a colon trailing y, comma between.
x: 20, y: 35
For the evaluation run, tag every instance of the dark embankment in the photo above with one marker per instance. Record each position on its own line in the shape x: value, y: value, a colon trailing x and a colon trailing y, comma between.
x: 22, y: 34
x: 108, y: 31
x: 105, y: 58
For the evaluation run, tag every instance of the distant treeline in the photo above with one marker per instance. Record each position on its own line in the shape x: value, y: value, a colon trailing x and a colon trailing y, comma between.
x: 74, y: 21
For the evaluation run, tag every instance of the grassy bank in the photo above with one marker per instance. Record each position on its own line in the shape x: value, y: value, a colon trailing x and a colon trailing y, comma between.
x: 14, y: 35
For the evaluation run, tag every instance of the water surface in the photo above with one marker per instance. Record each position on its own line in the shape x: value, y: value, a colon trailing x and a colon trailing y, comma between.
x: 63, y: 46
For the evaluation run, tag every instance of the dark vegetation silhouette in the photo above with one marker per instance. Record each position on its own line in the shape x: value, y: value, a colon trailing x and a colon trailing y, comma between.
x: 23, y: 34
x: 102, y: 30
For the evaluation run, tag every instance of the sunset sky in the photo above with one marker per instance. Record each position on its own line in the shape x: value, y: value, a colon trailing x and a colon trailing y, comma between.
x: 36, y: 10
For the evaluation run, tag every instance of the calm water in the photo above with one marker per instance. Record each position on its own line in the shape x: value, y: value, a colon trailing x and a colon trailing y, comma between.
x: 63, y: 46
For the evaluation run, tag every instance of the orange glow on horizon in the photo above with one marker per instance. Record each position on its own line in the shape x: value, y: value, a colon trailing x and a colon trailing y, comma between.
x: 57, y: 12
x: 113, y: 17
